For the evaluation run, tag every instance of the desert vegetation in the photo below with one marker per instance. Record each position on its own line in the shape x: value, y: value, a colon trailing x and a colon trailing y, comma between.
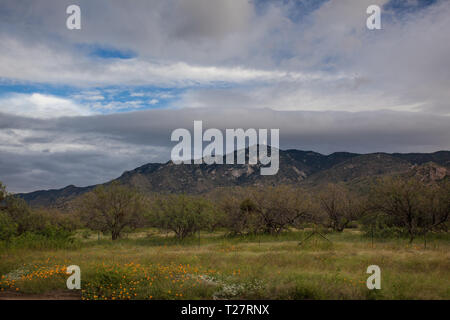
x: 254, y: 242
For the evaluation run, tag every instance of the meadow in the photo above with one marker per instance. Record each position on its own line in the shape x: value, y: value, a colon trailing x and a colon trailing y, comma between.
x: 146, y: 264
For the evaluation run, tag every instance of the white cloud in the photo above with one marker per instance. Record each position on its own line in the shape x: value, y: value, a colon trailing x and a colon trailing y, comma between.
x: 38, y: 105
x: 65, y: 67
x: 119, y: 105
x: 137, y: 94
x: 326, y: 61
x: 230, y: 62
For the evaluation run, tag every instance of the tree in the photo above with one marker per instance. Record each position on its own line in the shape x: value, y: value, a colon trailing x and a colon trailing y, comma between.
x: 3, y: 193
x: 17, y: 210
x: 238, y: 213
x: 7, y: 227
x: 20, y: 213
x: 412, y: 205
x: 277, y: 207
x: 182, y: 214
x: 439, y: 207
x: 339, y: 205
x: 264, y: 209
x: 17, y: 218
x: 112, y: 208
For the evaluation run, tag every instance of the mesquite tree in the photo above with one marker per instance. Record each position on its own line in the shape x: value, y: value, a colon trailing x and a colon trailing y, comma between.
x: 339, y: 206
x: 277, y: 208
x: 182, y: 214
x: 412, y: 205
x: 112, y: 208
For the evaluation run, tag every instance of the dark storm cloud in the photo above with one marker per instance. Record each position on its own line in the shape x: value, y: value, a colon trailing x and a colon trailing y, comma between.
x: 94, y: 149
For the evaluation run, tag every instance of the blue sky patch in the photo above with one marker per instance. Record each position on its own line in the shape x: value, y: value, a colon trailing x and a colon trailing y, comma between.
x: 106, y: 52
x: 103, y: 100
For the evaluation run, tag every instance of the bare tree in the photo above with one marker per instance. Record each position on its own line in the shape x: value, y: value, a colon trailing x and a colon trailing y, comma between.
x: 279, y: 207
x: 237, y: 211
x: 412, y: 205
x: 339, y: 205
x: 439, y: 207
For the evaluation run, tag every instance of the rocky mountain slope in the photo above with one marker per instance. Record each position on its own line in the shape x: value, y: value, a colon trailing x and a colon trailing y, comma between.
x: 296, y: 167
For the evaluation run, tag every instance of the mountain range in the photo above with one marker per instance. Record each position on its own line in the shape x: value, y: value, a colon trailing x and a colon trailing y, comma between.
x: 307, y: 168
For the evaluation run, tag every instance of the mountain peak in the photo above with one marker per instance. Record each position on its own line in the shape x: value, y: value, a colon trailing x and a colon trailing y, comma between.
x: 296, y: 167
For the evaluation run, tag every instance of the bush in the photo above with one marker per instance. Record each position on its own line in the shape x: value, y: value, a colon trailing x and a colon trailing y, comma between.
x: 51, y: 240
x: 8, y: 228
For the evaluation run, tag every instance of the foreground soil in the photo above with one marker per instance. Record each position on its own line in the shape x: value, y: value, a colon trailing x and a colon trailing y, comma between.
x: 53, y: 295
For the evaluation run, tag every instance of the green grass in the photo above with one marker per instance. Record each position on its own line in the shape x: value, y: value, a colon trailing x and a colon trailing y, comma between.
x: 149, y: 265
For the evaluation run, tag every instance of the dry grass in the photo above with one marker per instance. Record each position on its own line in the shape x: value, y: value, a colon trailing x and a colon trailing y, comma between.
x: 228, y: 268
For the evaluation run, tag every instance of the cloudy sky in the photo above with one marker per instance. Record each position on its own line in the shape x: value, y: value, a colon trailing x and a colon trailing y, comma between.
x: 82, y: 106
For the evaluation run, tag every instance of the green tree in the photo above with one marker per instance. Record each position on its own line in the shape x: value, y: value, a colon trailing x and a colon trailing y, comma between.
x: 3, y: 193
x: 16, y: 209
x: 20, y: 213
x: 182, y: 214
x: 8, y: 228
x: 21, y: 219
x: 112, y: 208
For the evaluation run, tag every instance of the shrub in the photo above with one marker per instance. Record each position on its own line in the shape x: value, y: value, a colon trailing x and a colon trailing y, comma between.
x: 8, y: 228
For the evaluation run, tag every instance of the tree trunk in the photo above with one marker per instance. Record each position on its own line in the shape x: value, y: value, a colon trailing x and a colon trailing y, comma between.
x: 114, y: 235
x: 425, y: 240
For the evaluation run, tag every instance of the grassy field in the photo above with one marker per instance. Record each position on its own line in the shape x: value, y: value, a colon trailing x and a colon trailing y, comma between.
x: 147, y: 265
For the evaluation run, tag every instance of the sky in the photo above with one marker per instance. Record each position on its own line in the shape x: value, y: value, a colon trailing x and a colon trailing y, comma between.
x: 82, y: 106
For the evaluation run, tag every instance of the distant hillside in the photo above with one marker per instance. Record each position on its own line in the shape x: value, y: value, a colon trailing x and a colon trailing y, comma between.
x: 55, y: 198
x: 367, y: 165
x: 306, y: 168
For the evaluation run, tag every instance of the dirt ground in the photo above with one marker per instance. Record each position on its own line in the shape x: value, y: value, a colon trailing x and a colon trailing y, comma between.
x: 54, y: 295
